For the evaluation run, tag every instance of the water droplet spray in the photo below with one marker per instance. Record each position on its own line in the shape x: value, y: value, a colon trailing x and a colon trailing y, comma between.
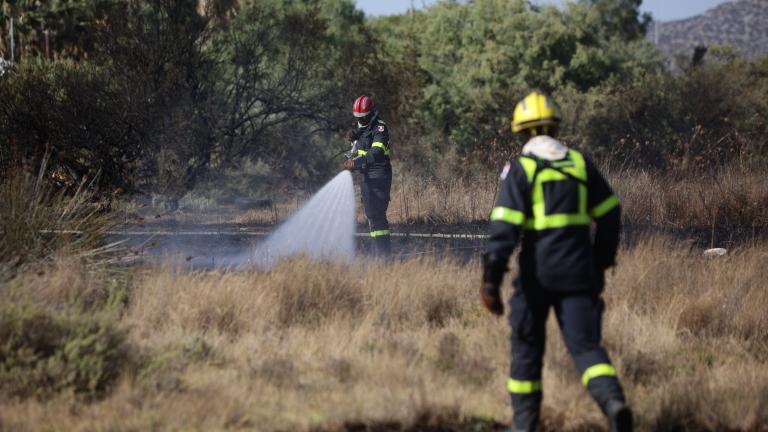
x: 323, y: 229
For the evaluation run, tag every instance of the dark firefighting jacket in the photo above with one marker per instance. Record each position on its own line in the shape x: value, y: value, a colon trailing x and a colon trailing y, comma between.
x: 550, y: 205
x: 372, y: 159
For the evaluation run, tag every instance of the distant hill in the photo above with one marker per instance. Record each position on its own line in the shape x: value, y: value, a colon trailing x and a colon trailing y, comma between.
x: 742, y: 24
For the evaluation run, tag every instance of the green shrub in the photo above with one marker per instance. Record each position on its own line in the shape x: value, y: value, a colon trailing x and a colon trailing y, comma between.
x: 43, y: 353
x: 665, y: 120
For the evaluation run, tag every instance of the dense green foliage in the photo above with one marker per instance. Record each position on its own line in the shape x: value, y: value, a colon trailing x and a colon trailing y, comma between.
x: 162, y: 96
x: 52, y: 28
x: 44, y: 352
x: 703, y: 118
x: 621, y: 99
x: 478, y: 59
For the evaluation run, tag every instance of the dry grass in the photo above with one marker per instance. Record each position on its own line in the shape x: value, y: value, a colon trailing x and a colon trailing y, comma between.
x: 726, y: 198
x: 730, y: 197
x: 308, y: 346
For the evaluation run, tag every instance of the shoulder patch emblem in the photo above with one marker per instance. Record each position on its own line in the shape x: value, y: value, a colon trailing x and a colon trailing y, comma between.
x: 505, y: 171
x: 381, y: 128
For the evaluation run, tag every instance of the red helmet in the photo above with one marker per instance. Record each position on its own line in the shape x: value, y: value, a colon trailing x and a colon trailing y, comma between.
x: 363, y: 107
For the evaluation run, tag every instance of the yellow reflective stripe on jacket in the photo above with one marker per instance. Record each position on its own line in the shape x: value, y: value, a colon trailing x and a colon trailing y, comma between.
x: 361, y: 152
x: 605, y: 207
x: 379, y: 233
x: 523, y: 387
x: 557, y: 221
x: 575, y: 166
x: 598, y: 370
x: 381, y: 146
x: 508, y: 215
x: 529, y: 166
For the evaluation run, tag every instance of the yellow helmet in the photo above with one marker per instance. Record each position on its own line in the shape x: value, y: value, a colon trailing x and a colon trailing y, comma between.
x: 537, y: 109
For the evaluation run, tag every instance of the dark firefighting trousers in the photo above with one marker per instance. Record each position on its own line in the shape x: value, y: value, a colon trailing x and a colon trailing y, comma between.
x: 579, y: 315
x: 374, y: 193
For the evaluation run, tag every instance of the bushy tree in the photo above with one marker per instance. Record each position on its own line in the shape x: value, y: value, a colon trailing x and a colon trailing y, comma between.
x: 75, y: 114
x: 665, y: 120
x: 285, y: 69
x: 180, y: 95
x: 480, y: 57
x: 52, y: 28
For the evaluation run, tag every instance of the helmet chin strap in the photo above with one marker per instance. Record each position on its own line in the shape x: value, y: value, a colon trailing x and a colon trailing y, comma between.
x: 369, y: 117
x: 536, y: 132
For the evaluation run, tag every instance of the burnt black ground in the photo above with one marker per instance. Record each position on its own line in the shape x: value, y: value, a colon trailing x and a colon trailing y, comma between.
x: 200, y: 245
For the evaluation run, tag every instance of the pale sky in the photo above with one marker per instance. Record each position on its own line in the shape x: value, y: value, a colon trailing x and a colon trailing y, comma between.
x: 663, y: 10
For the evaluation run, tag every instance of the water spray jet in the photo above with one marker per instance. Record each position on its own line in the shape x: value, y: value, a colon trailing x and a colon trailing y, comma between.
x: 323, y: 229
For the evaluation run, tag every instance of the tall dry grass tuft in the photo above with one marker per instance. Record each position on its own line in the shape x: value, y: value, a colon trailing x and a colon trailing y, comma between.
x: 39, y: 220
x: 729, y: 196
x: 330, y: 295
x: 324, y: 347
x: 442, y: 201
x: 298, y: 293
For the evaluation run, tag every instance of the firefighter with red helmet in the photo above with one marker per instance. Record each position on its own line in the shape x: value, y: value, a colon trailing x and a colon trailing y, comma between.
x: 548, y: 199
x: 370, y: 156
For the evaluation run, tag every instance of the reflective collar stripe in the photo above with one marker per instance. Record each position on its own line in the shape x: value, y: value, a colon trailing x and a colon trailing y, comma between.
x: 598, y: 370
x: 379, y: 233
x: 523, y: 387
x: 605, y: 207
x: 508, y: 215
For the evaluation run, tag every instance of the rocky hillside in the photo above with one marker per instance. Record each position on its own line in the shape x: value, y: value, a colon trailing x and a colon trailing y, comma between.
x: 742, y: 24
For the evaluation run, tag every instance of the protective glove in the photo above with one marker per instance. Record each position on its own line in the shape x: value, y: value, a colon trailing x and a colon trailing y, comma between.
x: 491, y: 296
x: 494, y: 267
x: 349, y: 165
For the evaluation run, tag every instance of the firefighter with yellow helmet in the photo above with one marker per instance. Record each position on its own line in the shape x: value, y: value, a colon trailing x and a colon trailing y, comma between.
x: 548, y: 199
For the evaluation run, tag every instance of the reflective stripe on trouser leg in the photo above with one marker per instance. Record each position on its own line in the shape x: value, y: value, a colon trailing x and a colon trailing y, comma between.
x: 375, y: 197
x: 527, y: 317
x: 523, y: 387
x: 380, y: 233
x: 580, y: 317
x: 596, y: 371
x: 603, y: 385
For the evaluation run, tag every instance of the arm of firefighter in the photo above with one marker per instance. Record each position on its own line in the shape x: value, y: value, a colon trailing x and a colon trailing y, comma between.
x: 605, y: 210
x: 379, y: 151
x: 507, y: 220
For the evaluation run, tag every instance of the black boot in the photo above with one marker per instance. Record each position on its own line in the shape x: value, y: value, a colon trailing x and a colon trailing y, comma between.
x: 525, y: 421
x: 526, y: 412
x: 383, y: 246
x: 608, y: 394
x: 619, y: 416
